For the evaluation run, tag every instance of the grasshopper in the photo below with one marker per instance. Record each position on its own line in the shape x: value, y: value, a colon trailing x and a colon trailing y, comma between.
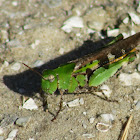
x: 91, y: 70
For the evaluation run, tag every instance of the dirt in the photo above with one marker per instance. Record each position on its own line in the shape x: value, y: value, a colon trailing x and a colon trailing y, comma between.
x: 31, y: 33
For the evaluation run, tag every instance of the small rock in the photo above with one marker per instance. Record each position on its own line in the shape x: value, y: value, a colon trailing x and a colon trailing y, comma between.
x: 4, y: 36
x: 33, y: 45
x: 14, y: 3
x: 38, y: 63
x: 138, y: 105
x: 113, y: 32
x: 22, y: 121
x: 16, y: 66
x: 61, y: 51
x: 138, y: 67
x: 31, y: 138
x: 5, y: 64
x: 53, y: 3
x: 135, y: 18
x: 12, y: 134
x: 107, y: 117
x: 76, y: 102
x: 126, y: 20
x: 8, y: 121
x: 84, y: 113
x: 130, y: 79
x: 106, y: 90
x: 81, y: 101
x: 73, y: 22
x: 89, y: 136
x: 97, y: 18
x: 91, y: 120
x: 84, y: 125
x: 30, y: 105
x: 102, y: 127
x: 73, y: 103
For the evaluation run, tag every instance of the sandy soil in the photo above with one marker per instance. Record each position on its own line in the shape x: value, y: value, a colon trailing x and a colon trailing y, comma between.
x: 31, y: 33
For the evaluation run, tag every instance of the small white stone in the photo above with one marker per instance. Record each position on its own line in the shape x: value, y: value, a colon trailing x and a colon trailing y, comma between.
x: 12, y: 134
x: 130, y: 79
x: 126, y: 20
x: 61, y: 51
x: 135, y: 18
x: 16, y: 66
x: 102, y: 127
x: 84, y: 125
x: 33, y: 45
x: 14, y: 3
x: 81, y: 101
x: 73, y: 103
x: 89, y: 136
x: 38, y: 63
x: 30, y: 105
x: 73, y: 22
x: 106, y: 90
x: 138, y: 105
x: 138, y: 67
x: 91, y: 120
x: 84, y: 113
x: 107, y: 117
x: 113, y: 32
x: 31, y: 138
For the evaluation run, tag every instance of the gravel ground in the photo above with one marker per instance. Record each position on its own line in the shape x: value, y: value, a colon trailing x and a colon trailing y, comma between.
x: 44, y: 34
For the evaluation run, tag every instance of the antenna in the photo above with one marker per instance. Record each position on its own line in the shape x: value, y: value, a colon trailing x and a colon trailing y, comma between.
x: 34, y: 71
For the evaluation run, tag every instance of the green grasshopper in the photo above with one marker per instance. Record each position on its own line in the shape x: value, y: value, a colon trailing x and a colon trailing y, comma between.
x: 91, y: 70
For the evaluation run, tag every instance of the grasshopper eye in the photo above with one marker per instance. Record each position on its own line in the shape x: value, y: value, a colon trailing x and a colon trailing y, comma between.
x: 51, y: 78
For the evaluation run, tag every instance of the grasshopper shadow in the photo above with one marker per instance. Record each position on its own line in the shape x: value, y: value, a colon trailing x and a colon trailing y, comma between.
x: 28, y: 83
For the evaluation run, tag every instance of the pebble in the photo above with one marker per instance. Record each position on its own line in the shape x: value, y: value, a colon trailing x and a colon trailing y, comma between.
x: 138, y: 67
x: 53, y: 3
x: 113, y: 32
x: 81, y: 101
x: 91, y: 120
x: 89, y: 136
x: 126, y: 20
x: 97, y: 18
x: 14, y: 3
x: 22, y: 121
x: 16, y: 66
x: 12, y: 134
x: 138, y: 105
x: 130, y: 79
x: 4, y: 65
x: 8, y: 121
x: 73, y: 103
x: 30, y: 105
x: 33, y: 45
x: 107, y: 117
x: 106, y: 90
x: 4, y: 36
x: 72, y: 22
x: 84, y: 125
x: 61, y: 51
x: 102, y: 127
x: 38, y: 63
x: 76, y: 102
x: 135, y: 18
